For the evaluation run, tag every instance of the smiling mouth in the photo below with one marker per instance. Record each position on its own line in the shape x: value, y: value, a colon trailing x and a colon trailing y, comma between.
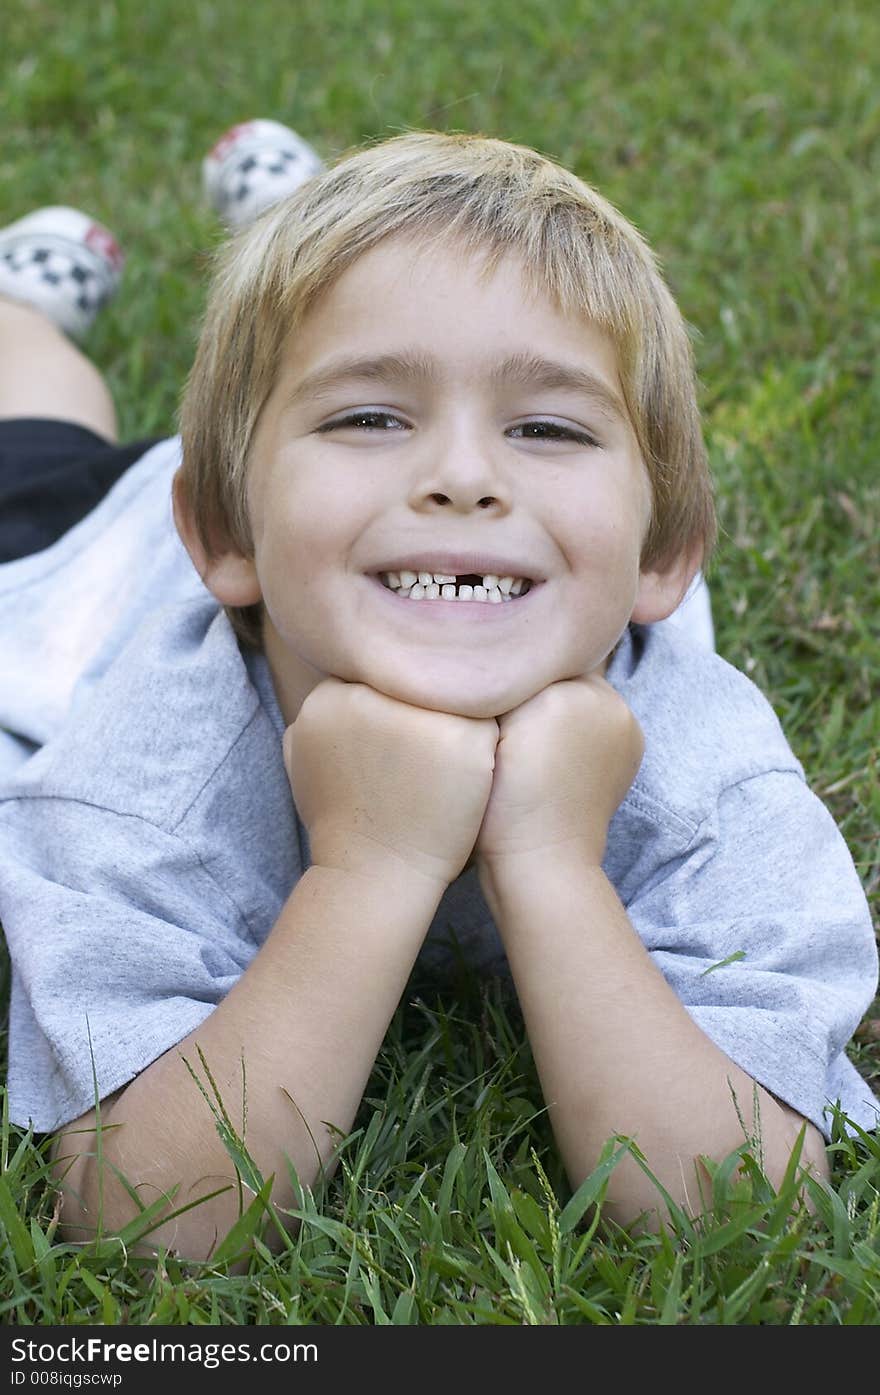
x: 434, y: 586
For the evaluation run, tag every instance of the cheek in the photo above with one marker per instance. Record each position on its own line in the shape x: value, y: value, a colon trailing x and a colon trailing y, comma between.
x: 606, y: 537
x: 291, y: 535
x: 308, y: 510
x: 292, y: 567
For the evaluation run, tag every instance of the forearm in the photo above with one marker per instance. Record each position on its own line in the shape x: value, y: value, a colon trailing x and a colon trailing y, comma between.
x: 615, y: 1049
x: 306, y: 1019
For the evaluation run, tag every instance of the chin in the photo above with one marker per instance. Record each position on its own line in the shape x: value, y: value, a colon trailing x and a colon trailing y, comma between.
x: 474, y: 707
x: 481, y: 705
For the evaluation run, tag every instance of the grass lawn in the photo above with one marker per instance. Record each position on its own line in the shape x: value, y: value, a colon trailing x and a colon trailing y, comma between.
x: 744, y: 140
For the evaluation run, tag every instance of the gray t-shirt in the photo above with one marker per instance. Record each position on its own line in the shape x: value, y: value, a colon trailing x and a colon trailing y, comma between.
x: 148, y: 838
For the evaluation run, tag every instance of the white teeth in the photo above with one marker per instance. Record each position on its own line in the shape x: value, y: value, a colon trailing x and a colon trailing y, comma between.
x: 430, y: 586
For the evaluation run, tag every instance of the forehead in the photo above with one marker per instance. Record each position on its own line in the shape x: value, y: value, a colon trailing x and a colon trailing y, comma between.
x: 434, y: 310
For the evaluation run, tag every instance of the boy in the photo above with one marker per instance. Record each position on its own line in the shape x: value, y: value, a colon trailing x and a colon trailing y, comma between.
x: 442, y: 478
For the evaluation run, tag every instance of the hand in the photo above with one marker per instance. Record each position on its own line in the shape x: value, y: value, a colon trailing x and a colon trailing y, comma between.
x: 380, y: 783
x: 564, y: 762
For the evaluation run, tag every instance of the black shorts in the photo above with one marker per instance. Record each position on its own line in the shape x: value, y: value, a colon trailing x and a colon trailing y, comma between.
x: 52, y: 473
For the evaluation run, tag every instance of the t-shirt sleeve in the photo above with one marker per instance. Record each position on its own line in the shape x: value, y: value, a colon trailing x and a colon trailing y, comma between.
x: 121, y: 944
x: 763, y: 930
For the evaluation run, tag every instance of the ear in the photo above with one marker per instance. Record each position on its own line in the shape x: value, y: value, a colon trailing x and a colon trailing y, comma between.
x: 662, y: 590
x: 228, y: 574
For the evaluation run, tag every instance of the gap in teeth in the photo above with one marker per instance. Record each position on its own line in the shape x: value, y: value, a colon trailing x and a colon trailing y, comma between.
x: 442, y: 586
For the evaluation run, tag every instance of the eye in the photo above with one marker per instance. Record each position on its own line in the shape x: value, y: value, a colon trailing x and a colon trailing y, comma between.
x: 367, y: 419
x: 543, y: 430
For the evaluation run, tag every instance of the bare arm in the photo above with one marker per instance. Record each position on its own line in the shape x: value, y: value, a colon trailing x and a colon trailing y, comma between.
x: 309, y: 1013
x: 307, y: 1017
x: 616, y: 1050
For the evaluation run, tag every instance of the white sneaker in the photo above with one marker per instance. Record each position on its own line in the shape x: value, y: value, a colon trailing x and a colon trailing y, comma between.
x: 254, y: 166
x: 61, y: 262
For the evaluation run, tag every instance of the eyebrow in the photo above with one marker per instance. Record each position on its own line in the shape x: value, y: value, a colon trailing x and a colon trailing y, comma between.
x: 382, y: 368
x: 533, y: 370
x: 529, y: 370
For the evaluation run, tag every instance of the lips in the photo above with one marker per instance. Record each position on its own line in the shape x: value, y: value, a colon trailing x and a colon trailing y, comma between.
x: 461, y: 564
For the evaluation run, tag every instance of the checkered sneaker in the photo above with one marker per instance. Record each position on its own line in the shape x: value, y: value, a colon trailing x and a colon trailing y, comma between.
x: 61, y: 262
x: 254, y: 166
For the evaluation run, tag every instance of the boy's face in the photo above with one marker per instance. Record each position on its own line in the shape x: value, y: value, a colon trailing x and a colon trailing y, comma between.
x: 427, y: 420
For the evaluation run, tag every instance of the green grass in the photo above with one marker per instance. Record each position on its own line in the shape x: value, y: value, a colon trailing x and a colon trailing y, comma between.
x: 450, y: 1208
x: 743, y: 139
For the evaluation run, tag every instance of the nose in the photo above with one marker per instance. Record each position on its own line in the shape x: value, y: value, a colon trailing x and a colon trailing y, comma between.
x: 463, y: 475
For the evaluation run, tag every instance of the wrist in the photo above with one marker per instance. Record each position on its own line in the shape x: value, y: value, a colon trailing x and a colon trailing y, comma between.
x: 536, y: 868
x: 349, y: 849
x: 387, y: 877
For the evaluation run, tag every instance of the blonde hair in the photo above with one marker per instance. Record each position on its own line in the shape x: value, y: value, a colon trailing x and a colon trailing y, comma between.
x: 494, y: 198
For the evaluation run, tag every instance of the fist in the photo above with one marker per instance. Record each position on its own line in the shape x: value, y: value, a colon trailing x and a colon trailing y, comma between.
x: 565, y: 760
x: 384, y: 787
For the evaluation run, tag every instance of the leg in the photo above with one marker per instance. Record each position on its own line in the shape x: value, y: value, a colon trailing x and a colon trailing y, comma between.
x: 43, y: 375
x: 58, y: 268
x: 58, y: 455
